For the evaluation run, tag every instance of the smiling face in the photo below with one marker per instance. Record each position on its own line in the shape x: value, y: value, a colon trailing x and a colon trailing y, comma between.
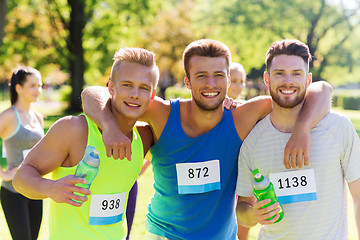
x: 287, y: 80
x: 131, y: 88
x: 209, y: 81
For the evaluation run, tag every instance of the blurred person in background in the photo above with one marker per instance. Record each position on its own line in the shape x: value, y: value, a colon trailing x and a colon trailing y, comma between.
x: 20, y: 129
x: 238, y: 81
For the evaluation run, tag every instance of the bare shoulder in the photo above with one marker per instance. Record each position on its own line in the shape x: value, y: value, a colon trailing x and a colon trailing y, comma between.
x: 158, y: 109
x: 70, y: 125
x: 62, y: 145
x: 249, y: 113
x: 261, y: 106
x: 8, y: 122
x: 8, y: 115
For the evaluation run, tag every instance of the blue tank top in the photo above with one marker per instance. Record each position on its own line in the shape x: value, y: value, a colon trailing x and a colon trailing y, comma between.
x: 197, y: 212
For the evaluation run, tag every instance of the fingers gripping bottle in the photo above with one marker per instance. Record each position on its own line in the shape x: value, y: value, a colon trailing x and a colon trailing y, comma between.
x: 264, y: 189
x: 88, y: 167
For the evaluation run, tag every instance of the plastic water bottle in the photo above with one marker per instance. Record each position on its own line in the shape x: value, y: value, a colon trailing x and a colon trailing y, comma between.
x: 88, y: 168
x: 264, y: 189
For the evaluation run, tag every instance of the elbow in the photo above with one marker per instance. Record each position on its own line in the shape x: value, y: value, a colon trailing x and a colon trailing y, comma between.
x: 327, y: 87
x: 244, y: 214
x: 324, y: 86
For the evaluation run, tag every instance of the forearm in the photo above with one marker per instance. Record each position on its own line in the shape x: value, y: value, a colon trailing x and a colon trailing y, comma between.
x: 30, y: 183
x: 317, y: 104
x: 96, y: 105
x: 244, y: 214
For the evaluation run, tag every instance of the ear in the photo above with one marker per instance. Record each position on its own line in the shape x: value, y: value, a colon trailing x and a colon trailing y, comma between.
x: 229, y: 81
x: 266, y: 79
x: 153, y: 95
x: 111, y: 87
x: 187, y: 83
x: 18, y: 88
x: 308, y: 79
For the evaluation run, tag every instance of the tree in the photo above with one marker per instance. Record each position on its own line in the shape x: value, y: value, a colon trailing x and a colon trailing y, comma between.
x: 251, y: 26
x: 3, y: 10
x: 107, y: 20
x: 168, y: 37
x: 75, y: 36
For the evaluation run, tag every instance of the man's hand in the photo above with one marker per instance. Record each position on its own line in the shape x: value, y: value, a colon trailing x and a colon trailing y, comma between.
x: 297, y: 149
x: 116, y: 143
x: 229, y: 102
x: 62, y: 191
x: 263, y: 214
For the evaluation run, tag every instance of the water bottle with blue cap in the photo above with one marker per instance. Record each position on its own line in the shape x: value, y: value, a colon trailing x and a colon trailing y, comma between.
x: 264, y: 189
x: 88, y: 167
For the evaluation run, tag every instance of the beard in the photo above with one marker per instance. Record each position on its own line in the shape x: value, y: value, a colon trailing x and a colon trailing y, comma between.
x: 286, y: 102
x: 207, y: 107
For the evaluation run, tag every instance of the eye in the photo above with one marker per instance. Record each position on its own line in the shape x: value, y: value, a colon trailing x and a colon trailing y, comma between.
x: 219, y: 75
x: 144, y: 88
x: 126, y: 85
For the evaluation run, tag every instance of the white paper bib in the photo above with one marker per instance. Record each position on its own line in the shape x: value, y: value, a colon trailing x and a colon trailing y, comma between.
x: 198, y: 177
x: 294, y: 186
x: 107, y: 209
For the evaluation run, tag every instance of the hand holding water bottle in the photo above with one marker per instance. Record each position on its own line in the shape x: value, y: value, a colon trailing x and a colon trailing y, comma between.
x: 267, y: 209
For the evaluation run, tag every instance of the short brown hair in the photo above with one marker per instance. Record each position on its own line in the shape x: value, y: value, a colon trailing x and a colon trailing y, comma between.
x: 288, y: 47
x: 136, y: 55
x: 206, y: 48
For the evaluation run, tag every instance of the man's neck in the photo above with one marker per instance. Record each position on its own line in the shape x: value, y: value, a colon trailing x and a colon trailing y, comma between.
x: 284, y: 119
x: 126, y: 125
x: 196, y: 121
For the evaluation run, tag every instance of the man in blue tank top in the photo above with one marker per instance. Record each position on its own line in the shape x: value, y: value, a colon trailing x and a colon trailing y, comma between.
x: 196, y: 144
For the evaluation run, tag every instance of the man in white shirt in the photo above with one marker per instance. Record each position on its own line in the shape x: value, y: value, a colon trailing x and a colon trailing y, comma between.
x: 313, y: 197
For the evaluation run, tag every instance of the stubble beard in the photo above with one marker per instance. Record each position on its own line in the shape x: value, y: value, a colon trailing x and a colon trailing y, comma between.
x: 205, y: 107
x: 284, y: 103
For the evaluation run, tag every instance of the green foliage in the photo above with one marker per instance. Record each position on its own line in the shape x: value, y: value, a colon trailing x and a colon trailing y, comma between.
x: 347, y: 99
x: 36, y: 34
x: 64, y: 93
x: 250, y: 27
x: 168, y: 35
x: 177, y: 92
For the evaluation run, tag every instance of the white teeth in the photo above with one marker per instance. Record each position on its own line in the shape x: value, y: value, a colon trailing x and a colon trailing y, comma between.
x: 210, y: 94
x: 287, y: 91
x: 133, y: 105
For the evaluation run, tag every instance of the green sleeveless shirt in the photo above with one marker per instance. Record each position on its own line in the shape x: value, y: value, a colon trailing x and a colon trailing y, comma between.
x: 103, y: 215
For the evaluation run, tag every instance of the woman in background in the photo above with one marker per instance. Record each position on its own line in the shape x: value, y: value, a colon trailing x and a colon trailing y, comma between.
x: 20, y: 129
x: 238, y: 81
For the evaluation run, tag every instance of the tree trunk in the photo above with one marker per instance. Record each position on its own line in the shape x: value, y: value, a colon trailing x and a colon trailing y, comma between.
x: 3, y: 10
x: 76, y: 58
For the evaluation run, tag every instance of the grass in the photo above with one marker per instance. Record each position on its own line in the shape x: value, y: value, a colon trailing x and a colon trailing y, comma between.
x: 146, y: 189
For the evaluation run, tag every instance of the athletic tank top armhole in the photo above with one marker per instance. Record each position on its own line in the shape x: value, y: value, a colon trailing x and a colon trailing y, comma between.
x: 18, y: 123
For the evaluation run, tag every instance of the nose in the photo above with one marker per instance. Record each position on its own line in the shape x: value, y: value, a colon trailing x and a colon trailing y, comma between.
x: 211, y: 82
x: 288, y: 78
x: 134, y: 92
